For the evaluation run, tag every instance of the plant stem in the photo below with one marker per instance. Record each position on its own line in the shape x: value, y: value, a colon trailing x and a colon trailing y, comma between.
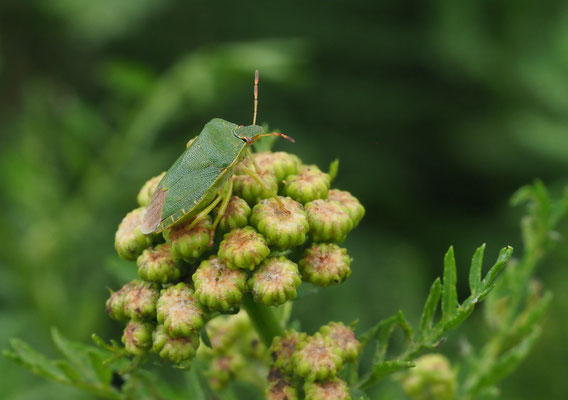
x: 263, y: 319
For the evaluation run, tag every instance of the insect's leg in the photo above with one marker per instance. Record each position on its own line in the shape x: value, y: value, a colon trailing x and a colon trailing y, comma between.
x: 261, y: 182
x: 251, y: 158
x: 227, y: 192
x: 203, y: 213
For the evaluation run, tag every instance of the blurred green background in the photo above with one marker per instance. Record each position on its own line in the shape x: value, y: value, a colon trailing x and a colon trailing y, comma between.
x: 438, y: 111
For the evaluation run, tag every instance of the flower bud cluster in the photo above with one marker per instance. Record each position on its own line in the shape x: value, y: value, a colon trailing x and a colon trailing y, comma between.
x: 265, y: 246
x: 316, y: 360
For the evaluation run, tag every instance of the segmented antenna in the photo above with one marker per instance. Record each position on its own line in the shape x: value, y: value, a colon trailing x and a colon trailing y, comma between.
x: 255, y: 97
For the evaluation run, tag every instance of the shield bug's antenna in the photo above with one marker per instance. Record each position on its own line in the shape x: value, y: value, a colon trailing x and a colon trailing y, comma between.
x: 255, y: 97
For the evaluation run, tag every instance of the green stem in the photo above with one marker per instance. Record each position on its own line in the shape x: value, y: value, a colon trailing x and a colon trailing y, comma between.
x: 263, y: 319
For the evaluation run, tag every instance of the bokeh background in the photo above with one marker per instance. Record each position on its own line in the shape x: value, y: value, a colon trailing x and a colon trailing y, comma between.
x: 438, y: 111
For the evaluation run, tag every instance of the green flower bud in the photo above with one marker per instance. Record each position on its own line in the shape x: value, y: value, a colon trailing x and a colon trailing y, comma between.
x: 329, y: 221
x: 115, y: 303
x: 283, y: 225
x: 250, y: 190
x: 129, y: 242
x: 280, y: 163
x: 158, y: 265
x: 279, y: 388
x: 137, y: 337
x: 190, y: 244
x: 355, y: 210
x: 275, y: 281
x: 176, y: 350
x: 316, y: 358
x: 140, y: 301
x: 223, y: 369
x: 145, y: 194
x: 282, y: 349
x: 179, y: 311
x: 335, y: 389
x: 431, y: 378
x: 325, y: 264
x: 243, y: 248
x: 310, y: 184
x: 343, y: 337
x: 217, y: 286
x: 236, y: 215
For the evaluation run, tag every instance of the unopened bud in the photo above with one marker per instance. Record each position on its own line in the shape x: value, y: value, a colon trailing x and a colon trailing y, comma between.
x: 158, y: 265
x: 275, y: 281
x: 325, y: 264
x: 236, y: 215
x: 137, y: 337
x: 188, y: 244
x: 243, y: 248
x: 179, y: 311
x: 354, y: 208
x: 344, y: 338
x: 284, y: 224
x: 317, y: 358
x: 129, y: 241
x: 328, y: 220
x: 217, y: 286
x: 176, y: 350
x: 140, y: 301
x: 335, y: 389
x: 308, y: 185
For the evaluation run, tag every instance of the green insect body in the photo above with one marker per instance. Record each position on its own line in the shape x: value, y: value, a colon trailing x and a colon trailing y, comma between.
x: 201, y: 177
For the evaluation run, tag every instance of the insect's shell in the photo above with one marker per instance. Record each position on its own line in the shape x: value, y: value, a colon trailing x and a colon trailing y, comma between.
x: 197, y: 176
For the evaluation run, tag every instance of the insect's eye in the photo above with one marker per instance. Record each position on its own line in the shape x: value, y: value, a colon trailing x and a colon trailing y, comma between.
x: 243, y: 138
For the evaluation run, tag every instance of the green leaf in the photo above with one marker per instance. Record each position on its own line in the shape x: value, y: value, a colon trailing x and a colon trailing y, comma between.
x: 449, y: 287
x: 333, y: 169
x: 22, y: 353
x: 509, y: 360
x: 430, y: 307
x: 382, y: 370
x: 475, y: 271
x: 205, y: 337
x: 504, y: 256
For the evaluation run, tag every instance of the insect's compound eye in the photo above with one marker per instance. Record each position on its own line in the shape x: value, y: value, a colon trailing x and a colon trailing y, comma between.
x: 243, y: 138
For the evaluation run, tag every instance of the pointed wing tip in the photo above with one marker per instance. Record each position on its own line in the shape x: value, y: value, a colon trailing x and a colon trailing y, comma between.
x: 153, y: 215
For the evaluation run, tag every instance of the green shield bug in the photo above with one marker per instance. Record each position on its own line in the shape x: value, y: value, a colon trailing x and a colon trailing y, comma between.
x: 201, y: 177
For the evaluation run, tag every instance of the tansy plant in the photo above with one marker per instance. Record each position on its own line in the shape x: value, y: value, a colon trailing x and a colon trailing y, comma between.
x: 221, y: 309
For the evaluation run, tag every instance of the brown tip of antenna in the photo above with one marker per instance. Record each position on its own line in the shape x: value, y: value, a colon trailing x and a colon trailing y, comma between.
x: 255, y: 97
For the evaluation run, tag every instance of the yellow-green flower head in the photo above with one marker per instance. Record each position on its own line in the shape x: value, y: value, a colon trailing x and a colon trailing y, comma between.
x: 223, y: 369
x: 129, y: 242
x: 284, y: 225
x: 250, y: 190
x: 140, y: 301
x: 158, y: 265
x: 280, y: 163
x: 335, y: 389
x: 279, y: 387
x: 431, y: 378
x: 147, y: 191
x: 354, y: 208
x: 329, y: 221
x: 177, y: 350
x: 188, y: 244
x: 236, y: 215
x: 317, y: 358
x: 115, y: 303
x: 179, y: 311
x: 275, y: 281
x: 217, y: 286
x: 282, y: 349
x: 344, y: 338
x: 325, y: 264
x: 137, y: 337
x: 243, y: 248
x: 308, y: 185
